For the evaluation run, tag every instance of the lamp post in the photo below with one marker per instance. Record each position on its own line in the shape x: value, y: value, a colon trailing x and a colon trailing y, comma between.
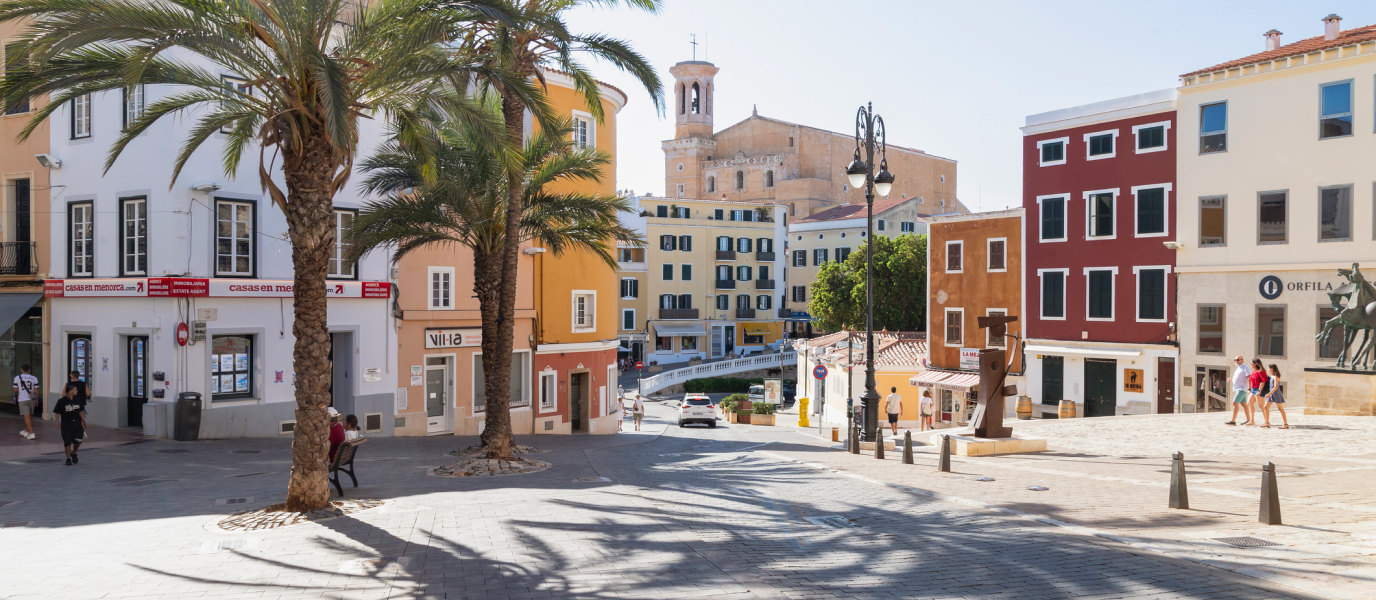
x: 869, y: 132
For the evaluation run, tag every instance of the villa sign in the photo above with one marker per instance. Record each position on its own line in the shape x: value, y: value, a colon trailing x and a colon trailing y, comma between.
x: 453, y: 338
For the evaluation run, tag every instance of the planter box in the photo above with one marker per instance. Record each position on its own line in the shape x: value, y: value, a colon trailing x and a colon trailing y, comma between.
x: 730, y: 417
x: 694, y: 362
x: 762, y: 420
x: 655, y: 369
x: 744, y: 417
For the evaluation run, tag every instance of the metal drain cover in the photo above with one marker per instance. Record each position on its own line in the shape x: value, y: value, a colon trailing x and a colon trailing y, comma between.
x: 1246, y: 542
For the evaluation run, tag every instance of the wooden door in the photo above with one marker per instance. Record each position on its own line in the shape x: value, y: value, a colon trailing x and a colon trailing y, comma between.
x: 1101, y: 395
x: 1165, y: 385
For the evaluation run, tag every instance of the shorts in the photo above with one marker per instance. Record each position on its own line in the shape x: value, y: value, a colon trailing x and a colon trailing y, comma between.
x: 1239, y: 396
x: 1255, y: 391
x: 893, y: 418
x: 26, y: 407
x: 638, y: 416
x: 71, y: 436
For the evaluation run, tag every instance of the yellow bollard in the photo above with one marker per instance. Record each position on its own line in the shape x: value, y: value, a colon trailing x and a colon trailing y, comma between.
x: 802, y: 412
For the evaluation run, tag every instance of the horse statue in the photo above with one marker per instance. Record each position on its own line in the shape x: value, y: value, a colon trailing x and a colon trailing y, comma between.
x: 1358, y: 313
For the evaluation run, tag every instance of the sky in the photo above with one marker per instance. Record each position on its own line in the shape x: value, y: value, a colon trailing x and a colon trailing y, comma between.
x: 954, y: 79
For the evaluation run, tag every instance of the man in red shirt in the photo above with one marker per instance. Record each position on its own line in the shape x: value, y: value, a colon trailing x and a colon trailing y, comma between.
x: 336, y: 432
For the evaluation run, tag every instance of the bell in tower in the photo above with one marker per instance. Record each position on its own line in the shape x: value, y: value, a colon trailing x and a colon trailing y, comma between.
x: 693, y: 98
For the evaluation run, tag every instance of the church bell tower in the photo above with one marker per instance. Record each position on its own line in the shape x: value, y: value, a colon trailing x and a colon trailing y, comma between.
x: 694, y: 96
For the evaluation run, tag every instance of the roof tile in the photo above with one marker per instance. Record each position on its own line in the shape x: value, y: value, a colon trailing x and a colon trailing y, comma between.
x: 1305, y: 46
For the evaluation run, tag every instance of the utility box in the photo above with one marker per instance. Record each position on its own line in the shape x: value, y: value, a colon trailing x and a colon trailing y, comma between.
x: 186, y: 426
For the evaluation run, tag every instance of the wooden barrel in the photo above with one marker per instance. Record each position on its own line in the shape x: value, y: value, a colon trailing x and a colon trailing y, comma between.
x: 1024, y: 408
x: 1067, y: 409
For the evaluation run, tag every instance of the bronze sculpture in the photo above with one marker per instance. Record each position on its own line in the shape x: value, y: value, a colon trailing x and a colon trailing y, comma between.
x: 1357, y: 313
x: 988, y: 417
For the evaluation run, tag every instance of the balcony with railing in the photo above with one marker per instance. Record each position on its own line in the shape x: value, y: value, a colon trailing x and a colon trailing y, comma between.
x: 18, y: 258
x: 785, y: 312
x: 726, y: 284
x: 726, y: 255
x: 745, y: 313
x: 764, y: 256
x: 678, y: 313
x: 764, y: 284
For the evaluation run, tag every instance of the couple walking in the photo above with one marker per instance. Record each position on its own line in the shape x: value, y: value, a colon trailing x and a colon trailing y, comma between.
x: 1257, y: 388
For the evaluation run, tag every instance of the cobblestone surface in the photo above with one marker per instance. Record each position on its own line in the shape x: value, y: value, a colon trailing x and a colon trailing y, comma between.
x: 724, y: 513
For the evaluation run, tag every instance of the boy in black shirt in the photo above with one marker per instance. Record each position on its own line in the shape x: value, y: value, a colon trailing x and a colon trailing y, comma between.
x: 80, y: 392
x: 73, y: 423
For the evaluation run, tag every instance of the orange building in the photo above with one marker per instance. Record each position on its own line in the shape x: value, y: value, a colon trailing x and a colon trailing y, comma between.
x: 564, y: 363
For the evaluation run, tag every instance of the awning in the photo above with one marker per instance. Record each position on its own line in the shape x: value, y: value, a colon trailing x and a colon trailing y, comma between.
x: 946, y: 380
x: 13, y: 306
x: 927, y: 378
x: 679, y: 329
x: 756, y: 330
x: 1080, y: 350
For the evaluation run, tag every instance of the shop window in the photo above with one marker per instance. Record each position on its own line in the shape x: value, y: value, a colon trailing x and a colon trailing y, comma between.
x: 664, y: 343
x: 520, y: 373
x: 1273, y: 217
x: 1271, y: 331
x: 1335, y: 214
x: 688, y: 343
x: 231, y: 367
x: 753, y: 339
x: 548, y: 391
x: 1211, y: 321
x: 1213, y: 222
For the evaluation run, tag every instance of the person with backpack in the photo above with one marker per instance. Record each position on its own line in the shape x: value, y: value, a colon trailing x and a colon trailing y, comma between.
x: 26, y: 391
x: 72, y: 422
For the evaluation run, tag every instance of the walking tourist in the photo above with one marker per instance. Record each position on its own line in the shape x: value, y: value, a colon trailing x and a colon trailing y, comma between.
x: 72, y: 423
x: 894, y: 406
x: 926, y: 407
x: 1276, y: 397
x: 80, y: 392
x: 1254, y: 383
x: 638, y: 410
x: 337, y: 434
x: 26, y: 391
x: 620, y: 413
x: 1239, y: 387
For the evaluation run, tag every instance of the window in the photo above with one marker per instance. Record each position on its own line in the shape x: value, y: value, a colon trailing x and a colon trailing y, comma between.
x: 881, y: 224
x: 954, y: 263
x: 1151, y: 293
x: 630, y: 287
x: 1100, y: 213
x: 769, y: 179
x: 662, y: 211
x: 668, y: 243
x: 441, y: 288
x: 800, y: 293
x: 907, y: 226
x: 740, y: 180
x: 764, y: 245
x: 681, y: 212
x: 1051, y: 211
x: 687, y: 343
x: 1100, y: 292
x: 520, y: 366
x: 747, y: 215
x: 685, y: 301
x: 628, y: 319
x: 819, y: 256
x: 742, y: 301
x: 1335, y: 214
x: 685, y: 242
x: 1053, y: 293
x: 1100, y: 145
x: 234, y: 243
x: 718, y: 214
x: 723, y: 273
x: 800, y: 258
x: 1052, y: 152
x: 743, y: 273
x: 583, y: 132
x: 1211, y: 320
x: 549, y: 390
x: 1273, y: 217
x: 842, y: 254
x: 668, y: 272
x: 664, y: 343
x: 340, y: 266
x: 1270, y: 331
x: 133, y: 104
x: 685, y: 272
x: 133, y: 236
x: 584, y: 310
x: 1213, y: 128
x: 1151, y: 215
x: 81, y: 253
x: 954, y: 321
x: 743, y: 245
x: 1212, y: 222
x: 764, y: 273
x: 234, y: 84
x: 1334, y: 346
x: 764, y: 302
x: 231, y: 367
x: 626, y: 255
x: 712, y: 187
x: 680, y: 186
x: 81, y: 116
x: 1335, y: 109
x: 668, y: 302
x: 1151, y: 137
x: 998, y: 260
x: 12, y: 58
x: 723, y: 302
x: 723, y: 244
x: 990, y: 341
x: 752, y: 339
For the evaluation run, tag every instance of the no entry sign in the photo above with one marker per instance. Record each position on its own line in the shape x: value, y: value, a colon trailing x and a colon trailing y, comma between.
x: 819, y: 371
x: 639, y: 365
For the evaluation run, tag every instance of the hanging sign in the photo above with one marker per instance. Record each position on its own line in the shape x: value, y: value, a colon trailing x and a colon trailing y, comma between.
x: 1132, y: 380
x: 969, y: 358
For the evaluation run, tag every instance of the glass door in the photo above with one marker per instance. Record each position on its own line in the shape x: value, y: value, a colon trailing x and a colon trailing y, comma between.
x: 137, y: 391
x: 1211, y: 389
x: 436, y: 395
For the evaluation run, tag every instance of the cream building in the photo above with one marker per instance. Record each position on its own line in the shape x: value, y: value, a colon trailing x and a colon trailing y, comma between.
x: 709, y: 283
x: 767, y: 160
x: 1275, y: 195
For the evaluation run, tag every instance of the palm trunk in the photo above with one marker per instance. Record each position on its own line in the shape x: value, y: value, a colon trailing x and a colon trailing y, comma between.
x: 310, y: 223
x: 487, y: 285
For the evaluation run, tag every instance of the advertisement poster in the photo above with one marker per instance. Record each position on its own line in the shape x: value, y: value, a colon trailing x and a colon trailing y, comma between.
x: 214, y: 363
x: 215, y: 384
x: 226, y: 362
x: 416, y: 380
x: 241, y: 382
x: 773, y: 391
x: 240, y: 362
x: 226, y: 383
x: 969, y: 358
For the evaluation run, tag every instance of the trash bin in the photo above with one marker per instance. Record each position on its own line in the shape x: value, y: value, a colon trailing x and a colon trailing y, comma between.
x: 186, y: 425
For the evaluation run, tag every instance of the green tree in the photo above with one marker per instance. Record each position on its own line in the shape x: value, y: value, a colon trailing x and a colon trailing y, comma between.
x: 310, y: 70
x: 900, y: 287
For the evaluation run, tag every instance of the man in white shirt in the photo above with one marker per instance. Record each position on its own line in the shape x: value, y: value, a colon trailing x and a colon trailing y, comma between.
x: 894, y: 406
x: 638, y: 410
x: 26, y: 391
x: 1239, y: 387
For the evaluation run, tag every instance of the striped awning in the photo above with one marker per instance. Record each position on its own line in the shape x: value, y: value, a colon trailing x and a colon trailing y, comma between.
x: 927, y: 378
x: 946, y: 380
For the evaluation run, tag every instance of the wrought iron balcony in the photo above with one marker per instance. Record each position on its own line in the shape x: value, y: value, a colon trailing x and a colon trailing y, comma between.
x: 745, y: 313
x: 678, y: 313
x: 726, y: 255
x: 726, y: 284
x: 764, y: 284
x: 764, y: 256
x: 18, y: 258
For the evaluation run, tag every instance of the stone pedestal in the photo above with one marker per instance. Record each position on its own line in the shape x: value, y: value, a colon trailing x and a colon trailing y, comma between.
x: 1339, y: 392
x: 968, y: 445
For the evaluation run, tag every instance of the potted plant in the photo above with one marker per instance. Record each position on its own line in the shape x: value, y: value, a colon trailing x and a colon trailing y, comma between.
x: 762, y: 414
x: 732, y: 405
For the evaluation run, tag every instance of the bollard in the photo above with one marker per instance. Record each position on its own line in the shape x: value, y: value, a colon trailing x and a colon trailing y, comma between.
x: 907, y: 447
x: 944, y: 464
x: 1270, y: 498
x: 1180, y: 497
x: 854, y: 440
x: 879, y: 443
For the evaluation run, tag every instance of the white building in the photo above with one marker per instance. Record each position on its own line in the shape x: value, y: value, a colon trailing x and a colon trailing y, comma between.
x: 1275, y: 195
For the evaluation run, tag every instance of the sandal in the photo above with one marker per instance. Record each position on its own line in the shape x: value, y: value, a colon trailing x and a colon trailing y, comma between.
x: 1266, y: 426
x: 1231, y: 423
x: 1283, y: 427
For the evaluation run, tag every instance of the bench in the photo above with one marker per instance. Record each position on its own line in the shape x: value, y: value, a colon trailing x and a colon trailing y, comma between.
x: 343, y: 463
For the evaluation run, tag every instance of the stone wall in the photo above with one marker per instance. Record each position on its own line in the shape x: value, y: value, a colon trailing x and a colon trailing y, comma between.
x: 1339, y: 392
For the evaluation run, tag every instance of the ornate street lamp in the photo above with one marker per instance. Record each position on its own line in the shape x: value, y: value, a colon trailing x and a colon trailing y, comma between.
x: 869, y: 131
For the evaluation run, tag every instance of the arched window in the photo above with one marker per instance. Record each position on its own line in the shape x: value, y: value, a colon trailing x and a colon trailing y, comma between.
x: 682, y: 99
x: 711, y: 184
x: 709, y: 98
x: 697, y: 99
x: 769, y: 179
x: 740, y: 180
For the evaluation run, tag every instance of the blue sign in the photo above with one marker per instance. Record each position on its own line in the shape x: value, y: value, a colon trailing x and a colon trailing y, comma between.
x: 1270, y: 287
x: 819, y: 371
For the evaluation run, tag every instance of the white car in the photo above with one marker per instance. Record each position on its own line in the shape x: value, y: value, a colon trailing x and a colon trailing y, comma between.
x: 697, y: 408
x: 756, y: 393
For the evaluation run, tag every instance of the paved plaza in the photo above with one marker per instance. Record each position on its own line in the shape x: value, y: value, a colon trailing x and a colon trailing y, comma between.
x: 732, y: 512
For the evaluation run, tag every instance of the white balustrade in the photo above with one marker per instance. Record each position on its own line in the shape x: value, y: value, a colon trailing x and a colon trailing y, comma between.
x: 650, y: 385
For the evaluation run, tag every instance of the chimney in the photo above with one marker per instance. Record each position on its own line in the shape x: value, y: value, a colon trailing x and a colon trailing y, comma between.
x: 1330, y: 27
x: 1272, y: 40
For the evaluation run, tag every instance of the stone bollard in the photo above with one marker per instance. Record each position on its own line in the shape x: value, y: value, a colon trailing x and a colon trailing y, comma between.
x: 879, y: 443
x: 1270, y: 497
x: 907, y: 447
x: 944, y: 464
x: 1180, y: 497
x: 854, y: 440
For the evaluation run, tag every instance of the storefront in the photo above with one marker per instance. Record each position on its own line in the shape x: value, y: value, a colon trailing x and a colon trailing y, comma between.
x: 22, y: 343
x: 678, y: 341
x: 1103, y: 379
x: 954, y: 392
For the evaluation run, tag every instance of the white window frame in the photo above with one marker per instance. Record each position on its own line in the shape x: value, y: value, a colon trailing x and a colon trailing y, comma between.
x: 637, y: 288
x: 987, y: 331
x: 134, y: 104
x: 1112, y: 132
x: 1165, y: 137
x: 946, y: 258
x: 81, y: 117
x: 252, y: 240
x: 549, y: 380
x: 125, y: 239
x: 590, y: 312
x: 238, y: 84
x: 907, y: 227
x: 1165, y: 210
x: 1065, y: 218
x: 1351, y: 102
x: 685, y: 276
x: 1113, y: 293
x: 670, y: 272
x: 1065, y: 152
x: 945, y: 327
x: 528, y: 402
x: 989, y: 253
x: 341, y: 248
x: 81, y: 234
x: 1041, y: 293
x: 623, y: 319
x: 431, y: 301
x: 1165, y: 292
x: 585, y: 117
x: 1088, y: 216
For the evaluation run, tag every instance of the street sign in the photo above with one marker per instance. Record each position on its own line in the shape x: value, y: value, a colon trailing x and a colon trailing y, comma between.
x: 639, y: 365
x: 819, y: 371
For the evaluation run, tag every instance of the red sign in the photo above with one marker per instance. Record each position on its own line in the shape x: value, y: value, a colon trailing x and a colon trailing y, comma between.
x: 183, y: 334
x: 186, y: 287
x: 639, y: 365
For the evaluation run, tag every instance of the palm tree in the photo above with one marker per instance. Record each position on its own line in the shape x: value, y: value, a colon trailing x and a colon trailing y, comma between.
x: 536, y: 38
x: 457, y: 196
x: 310, y: 70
